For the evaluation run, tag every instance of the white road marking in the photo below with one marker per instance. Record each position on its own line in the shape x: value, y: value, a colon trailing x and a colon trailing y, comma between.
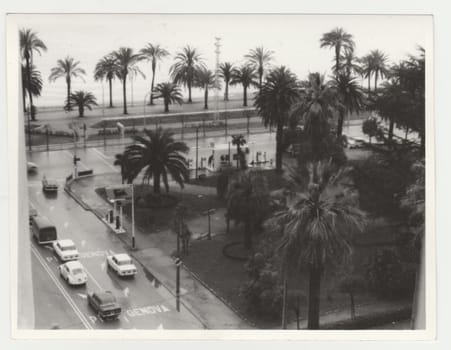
x: 48, y: 247
x: 94, y: 280
x: 126, y: 319
x: 83, y: 296
x: 126, y: 292
x: 104, y: 161
x: 103, y: 266
x: 68, y: 298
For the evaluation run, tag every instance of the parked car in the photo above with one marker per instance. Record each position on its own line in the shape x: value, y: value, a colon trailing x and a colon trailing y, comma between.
x: 65, y: 249
x: 122, y: 264
x: 73, y: 273
x: 104, y: 305
x: 49, y: 185
x: 355, y: 142
x: 31, y: 167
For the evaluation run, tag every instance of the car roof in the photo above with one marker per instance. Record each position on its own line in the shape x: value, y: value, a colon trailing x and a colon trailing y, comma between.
x: 122, y: 257
x: 74, y: 264
x: 51, y: 181
x: 106, y: 296
x: 66, y: 242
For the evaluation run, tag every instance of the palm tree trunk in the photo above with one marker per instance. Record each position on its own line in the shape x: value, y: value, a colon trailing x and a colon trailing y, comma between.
x: 152, y: 85
x: 226, y: 93
x: 351, y: 296
x: 337, y: 60
x: 68, y: 94
x: 24, y: 105
x: 247, y: 233
x: 279, y: 150
x: 375, y: 82
x: 341, y: 118
x: 407, y: 133
x: 111, y: 91
x: 390, y: 129
x: 244, y: 96
x: 369, y: 86
x: 284, y: 298
x: 189, y: 92
x: 156, y: 183
x: 260, y: 81
x: 30, y: 95
x: 124, y: 93
x: 166, y: 106
x: 206, y: 98
x: 314, y: 294
x: 81, y: 111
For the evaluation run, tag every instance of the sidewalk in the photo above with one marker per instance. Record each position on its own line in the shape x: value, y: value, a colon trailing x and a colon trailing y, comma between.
x: 154, y: 254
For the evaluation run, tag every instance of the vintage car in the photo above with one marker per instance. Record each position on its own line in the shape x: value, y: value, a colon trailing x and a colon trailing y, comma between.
x: 104, y: 305
x: 73, y: 273
x: 49, y: 185
x: 122, y: 264
x: 65, y: 249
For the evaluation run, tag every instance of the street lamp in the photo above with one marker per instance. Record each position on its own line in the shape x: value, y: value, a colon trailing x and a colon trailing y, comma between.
x: 144, y: 116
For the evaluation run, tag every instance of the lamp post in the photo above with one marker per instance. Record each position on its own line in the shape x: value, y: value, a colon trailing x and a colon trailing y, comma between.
x: 144, y: 116
x: 197, y: 148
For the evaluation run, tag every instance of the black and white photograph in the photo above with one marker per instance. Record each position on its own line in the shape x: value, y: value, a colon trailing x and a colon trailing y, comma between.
x: 193, y: 173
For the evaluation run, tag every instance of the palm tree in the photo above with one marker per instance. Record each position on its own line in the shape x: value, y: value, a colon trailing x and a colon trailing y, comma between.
x: 278, y: 95
x: 260, y: 58
x: 126, y: 61
x: 319, y: 226
x: 154, y: 54
x: 238, y: 141
x: 379, y: 66
x: 160, y: 157
x: 29, y: 44
x: 170, y: 93
x: 316, y: 108
x: 246, y: 76
x: 107, y: 69
x: 366, y: 66
x: 204, y: 79
x: 69, y: 69
x: 129, y: 166
x: 82, y: 100
x: 226, y: 72
x: 337, y: 39
x: 183, y: 70
x: 349, y: 95
x: 31, y: 83
x: 349, y: 63
x: 247, y: 201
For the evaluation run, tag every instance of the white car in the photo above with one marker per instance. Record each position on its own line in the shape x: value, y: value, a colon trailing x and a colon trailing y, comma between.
x: 65, y: 249
x: 73, y: 273
x: 31, y: 167
x: 122, y: 264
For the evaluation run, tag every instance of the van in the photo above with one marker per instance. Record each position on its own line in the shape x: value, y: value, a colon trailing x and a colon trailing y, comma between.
x: 43, y: 230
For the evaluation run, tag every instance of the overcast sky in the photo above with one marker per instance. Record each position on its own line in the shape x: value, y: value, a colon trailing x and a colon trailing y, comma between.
x: 293, y: 38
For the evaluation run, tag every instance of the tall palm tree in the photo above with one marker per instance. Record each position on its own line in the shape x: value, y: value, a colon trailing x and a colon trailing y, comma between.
x: 260, y: 58
x: 246, y: 76
x: 366, y: 70
x: 247, y: 201
x: 159, y: 156
x: 129, y: 164
x: 226, y: 73
x: 319, y: 227
x: 183, y: 70
x: 349, y: 96
x: 82, y: 100
x: 204, y: 79
x: 170, y: 93
x: 29, y: 44
x: 107, y: 68
x: 239, y: 141
x: 154, y: 54
x: 67, y: 68
x: 379, y: 65
x: 349, y: 63
x: 277, y: 97
x: 31, y: 83
x: 337, y: 39
x: 316, y: 108
x: 127, y: 64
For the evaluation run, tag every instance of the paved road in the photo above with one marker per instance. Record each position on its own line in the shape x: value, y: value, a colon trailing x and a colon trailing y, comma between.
x: 145, y: 303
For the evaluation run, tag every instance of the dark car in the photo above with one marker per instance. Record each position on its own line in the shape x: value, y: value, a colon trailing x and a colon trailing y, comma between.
x: 105, y: 305
x: 49, y: 185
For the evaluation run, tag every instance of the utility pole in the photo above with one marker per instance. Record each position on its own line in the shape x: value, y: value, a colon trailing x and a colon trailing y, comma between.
x: 178, y: 263
x: 218, y: 52
x: 197, y: 148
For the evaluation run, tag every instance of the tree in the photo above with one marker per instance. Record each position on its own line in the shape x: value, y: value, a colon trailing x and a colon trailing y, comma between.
x: 351, y: 284
x: 29, y: 44
x: 226, y: 73
x: 170, y: 93
x: 154, y: 54
x: 130, y: 165
x: 371, y: 128
x: 82, y: 100
x: 127, y: 64
x: 319, y: 226
x: 204, y: 79
x: 350, y: 97
x: 247, y: 201
x: 238, y: 141
x: 183, y: 70
x: 366, y: 70
x: 67, y: 68
x: 259, y: 58
x: 31, y: 83
x: 379, y: 66
x: 107, y: 68
x: 246, y: 76
x: 349, y: 63
x: 159, y: 156
x: 277, y: 96
x: 337, y: 39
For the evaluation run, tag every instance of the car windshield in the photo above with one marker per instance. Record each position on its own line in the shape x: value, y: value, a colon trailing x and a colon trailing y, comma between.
x: 77, y: 271
x: 125, y: 262
x: 68, y: 247
x: 108, y: 300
